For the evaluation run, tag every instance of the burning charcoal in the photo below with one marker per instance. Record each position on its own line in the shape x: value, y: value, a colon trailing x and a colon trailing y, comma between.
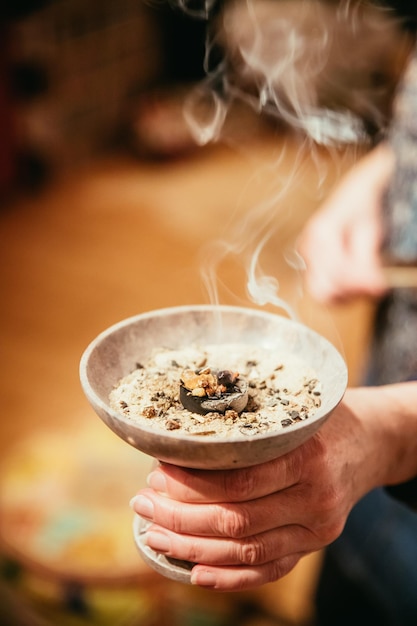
x: 202, y: 393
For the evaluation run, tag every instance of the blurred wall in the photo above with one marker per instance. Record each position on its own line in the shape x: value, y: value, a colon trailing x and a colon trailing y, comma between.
x: 69, y: 69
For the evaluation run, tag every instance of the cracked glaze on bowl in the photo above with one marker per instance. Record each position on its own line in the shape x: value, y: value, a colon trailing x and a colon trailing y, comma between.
x: 115, y: 352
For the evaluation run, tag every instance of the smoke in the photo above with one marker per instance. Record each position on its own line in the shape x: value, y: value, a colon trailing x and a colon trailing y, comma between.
x: 325, y: 70
x: 197, y: 8
x: 248, y: 233
x: 205, y: 112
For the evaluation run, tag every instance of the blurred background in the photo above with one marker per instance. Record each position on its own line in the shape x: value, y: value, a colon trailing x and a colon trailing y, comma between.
x: 111, y: 205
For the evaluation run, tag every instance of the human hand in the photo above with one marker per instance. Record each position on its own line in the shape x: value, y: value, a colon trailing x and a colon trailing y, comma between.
x: 247, y: 527
x: 341, y: 243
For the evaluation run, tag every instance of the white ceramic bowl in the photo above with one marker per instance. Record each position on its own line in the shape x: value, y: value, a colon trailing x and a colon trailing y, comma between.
x: 114, y: 353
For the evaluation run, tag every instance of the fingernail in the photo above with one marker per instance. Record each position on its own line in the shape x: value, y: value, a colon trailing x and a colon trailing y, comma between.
x: 142, y: 506
x: 158, y: 541
x: 156, y: 480
x: 203, y: 578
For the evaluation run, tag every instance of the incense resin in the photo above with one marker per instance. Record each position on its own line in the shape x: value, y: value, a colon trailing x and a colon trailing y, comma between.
x: 282, y: 390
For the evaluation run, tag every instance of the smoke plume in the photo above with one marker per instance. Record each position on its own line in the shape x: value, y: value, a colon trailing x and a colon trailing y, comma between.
x: 325, y: 70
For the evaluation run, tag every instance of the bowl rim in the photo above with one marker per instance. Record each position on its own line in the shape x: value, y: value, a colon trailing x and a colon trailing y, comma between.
x: 93, y: 397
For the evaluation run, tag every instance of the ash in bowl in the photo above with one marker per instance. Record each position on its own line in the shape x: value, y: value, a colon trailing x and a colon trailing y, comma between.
x: 278, y: 391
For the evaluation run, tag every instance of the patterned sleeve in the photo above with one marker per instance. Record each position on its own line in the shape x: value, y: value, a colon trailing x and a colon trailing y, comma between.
x: 401, y: 198
x: 401, y: 244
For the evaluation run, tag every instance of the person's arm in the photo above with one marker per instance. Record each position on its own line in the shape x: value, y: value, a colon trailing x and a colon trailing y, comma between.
x: 341, y: 244
x: 250, y: 526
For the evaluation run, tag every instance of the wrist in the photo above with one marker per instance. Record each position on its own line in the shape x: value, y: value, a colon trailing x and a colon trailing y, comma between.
x: 400, y: 426
x: 381, y: 425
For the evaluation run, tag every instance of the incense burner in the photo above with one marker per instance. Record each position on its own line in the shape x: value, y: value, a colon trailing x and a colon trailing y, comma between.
x: 114, y: 353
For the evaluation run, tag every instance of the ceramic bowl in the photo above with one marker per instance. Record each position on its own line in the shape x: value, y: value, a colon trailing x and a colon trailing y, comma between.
x: 114, y: 353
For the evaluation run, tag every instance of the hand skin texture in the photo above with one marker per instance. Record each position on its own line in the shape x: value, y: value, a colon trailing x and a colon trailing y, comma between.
x: 341, y: 242
x: 247, y: 527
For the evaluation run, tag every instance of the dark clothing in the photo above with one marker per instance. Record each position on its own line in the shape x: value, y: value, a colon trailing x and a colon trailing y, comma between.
x: 369, y: 574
